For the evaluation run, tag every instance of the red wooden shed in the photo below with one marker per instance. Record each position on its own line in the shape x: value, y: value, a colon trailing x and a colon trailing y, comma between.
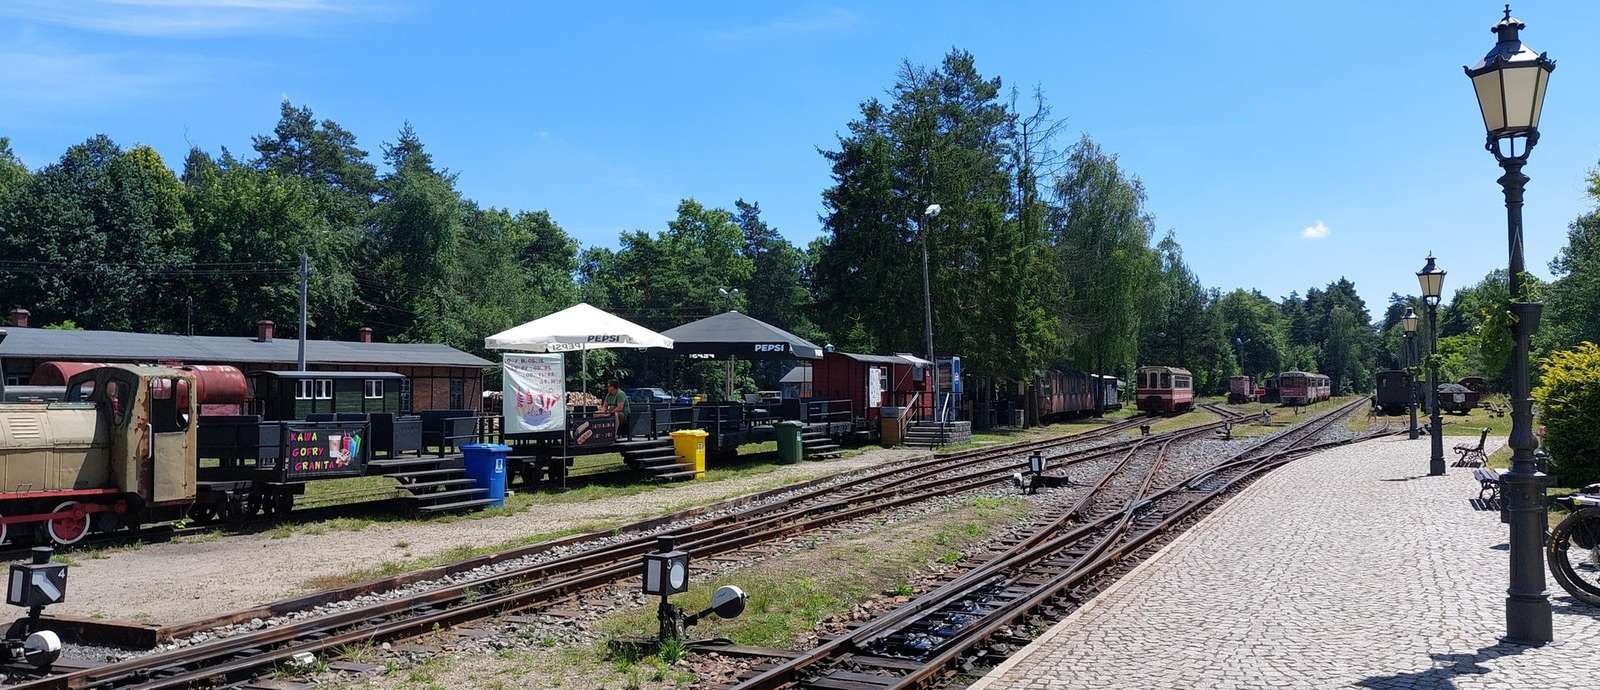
x: 870, y: 382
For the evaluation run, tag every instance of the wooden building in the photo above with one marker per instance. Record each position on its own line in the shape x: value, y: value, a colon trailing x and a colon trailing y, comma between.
x: 437, y: 377
x: 871, y: 382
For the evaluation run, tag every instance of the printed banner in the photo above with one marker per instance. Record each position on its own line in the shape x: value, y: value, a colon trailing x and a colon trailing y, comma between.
x: 535, y: 386
x: 325, y: 450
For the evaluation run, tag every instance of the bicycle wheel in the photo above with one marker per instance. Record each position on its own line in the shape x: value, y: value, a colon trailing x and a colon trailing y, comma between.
x: 1573, y: 553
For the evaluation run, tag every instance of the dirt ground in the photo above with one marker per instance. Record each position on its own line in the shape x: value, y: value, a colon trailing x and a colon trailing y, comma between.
x: 176, y: 582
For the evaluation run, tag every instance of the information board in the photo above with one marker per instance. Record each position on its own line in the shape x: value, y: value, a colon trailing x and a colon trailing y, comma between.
x: 535, y: 388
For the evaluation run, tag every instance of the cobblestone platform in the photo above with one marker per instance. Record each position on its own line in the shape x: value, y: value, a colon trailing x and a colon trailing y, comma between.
x: 1350, y: 568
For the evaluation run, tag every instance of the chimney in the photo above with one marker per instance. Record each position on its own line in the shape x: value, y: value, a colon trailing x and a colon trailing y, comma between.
x: 19, y: 317
x: 365, y: 334
x: 264, y: 331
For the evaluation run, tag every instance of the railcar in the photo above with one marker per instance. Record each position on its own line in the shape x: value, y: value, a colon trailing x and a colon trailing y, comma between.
x: 1111, y: 396
x: 1303, y: 388
x: 1063, y: 394
x: 1394, y: 391
x: 1164, y: 390
x: 1456, y: 398
x: 1241, y: 389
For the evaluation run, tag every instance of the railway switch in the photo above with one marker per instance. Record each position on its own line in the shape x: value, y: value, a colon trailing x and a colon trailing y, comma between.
x: 666, y: 572
x: 34, y: 586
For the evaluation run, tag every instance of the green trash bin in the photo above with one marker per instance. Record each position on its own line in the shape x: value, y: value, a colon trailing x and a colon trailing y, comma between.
x: 789, y: 450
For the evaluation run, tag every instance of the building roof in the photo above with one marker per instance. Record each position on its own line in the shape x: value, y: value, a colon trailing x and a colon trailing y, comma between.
x: 732, y: 334
x: 364, y: 375
x: 801, y: 374
x: 149, y: 347
x: 883, y: 359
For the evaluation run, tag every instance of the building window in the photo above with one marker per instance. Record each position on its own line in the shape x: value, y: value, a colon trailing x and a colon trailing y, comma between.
x: 324, y: 389
x: 303, y: 389
x: 374, y: 389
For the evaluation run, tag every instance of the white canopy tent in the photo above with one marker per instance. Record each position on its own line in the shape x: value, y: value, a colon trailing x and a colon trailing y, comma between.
x: 578, y: 328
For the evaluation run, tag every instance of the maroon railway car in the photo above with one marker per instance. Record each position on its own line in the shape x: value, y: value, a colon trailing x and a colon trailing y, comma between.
x: 1064, y: 394
x: 1163, y: 390
x: 871, y: 382
x: 1303, y: 388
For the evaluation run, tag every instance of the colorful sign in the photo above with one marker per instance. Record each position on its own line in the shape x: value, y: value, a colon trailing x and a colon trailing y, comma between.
x: 535, y: 389
x: 314, y: 452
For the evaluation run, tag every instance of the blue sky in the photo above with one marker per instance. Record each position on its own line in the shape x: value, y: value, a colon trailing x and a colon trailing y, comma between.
x: 1249, y: 122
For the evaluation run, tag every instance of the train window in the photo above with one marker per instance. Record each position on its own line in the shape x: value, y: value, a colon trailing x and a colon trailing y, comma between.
x: 81, y: 392
x: 374, y: 389
x: 324, y: 389
x: 1166, y: 381
x: 116, y: 400
x: 165, y: 416
x: 303, y: 389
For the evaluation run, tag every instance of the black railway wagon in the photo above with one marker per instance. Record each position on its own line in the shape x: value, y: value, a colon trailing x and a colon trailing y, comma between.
x: 1394, y: 391
x: 285, y: 395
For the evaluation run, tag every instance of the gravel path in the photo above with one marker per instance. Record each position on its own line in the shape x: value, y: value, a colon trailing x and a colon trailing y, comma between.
x: 175, y: 582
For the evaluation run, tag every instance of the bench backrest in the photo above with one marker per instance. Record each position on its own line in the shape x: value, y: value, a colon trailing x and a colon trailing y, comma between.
x: 1485, y: 474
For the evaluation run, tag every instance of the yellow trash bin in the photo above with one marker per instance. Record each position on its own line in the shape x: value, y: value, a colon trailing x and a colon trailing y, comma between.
x: 690, y: 447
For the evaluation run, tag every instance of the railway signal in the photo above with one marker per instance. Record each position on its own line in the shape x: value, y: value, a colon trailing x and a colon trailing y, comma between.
x: 666, y: 572
x: 1035, y: 477
x: 34, y: 586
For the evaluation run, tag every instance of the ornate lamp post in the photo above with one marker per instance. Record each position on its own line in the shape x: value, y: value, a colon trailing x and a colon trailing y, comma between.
x: 1432, y: 281
x: 1409, y: 321
x: 1510, y: 82
x: 928, y: 215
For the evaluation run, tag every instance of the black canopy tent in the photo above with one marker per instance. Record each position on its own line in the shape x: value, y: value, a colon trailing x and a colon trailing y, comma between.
x: 732, y: 336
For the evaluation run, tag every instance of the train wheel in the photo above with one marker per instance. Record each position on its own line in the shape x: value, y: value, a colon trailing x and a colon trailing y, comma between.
x: 203, y: 513
x: 282, y: 504
x: 70, y: 529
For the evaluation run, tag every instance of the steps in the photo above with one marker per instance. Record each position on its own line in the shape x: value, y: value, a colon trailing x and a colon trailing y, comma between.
x: 817, y: 445
x: 928, y: 434
x: 657, y: 460
x: 436, y: 485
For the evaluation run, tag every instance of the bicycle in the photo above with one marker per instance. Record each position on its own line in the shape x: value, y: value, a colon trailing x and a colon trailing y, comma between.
x: 1572, y: 549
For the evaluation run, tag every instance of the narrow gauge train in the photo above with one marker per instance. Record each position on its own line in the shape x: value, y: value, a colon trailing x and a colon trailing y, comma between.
x: 1394, y: 392
x: 1066, y: 394
x: 1164, y: 390
x: 1303, y: 388
x: 1241, y: 389
x: 129, y: 445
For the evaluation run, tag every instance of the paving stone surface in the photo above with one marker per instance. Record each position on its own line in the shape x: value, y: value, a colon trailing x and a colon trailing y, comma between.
x: 1350, y: 568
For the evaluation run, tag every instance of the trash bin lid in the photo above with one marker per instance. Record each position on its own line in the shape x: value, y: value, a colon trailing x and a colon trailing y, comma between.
x: 486, y: 447
x: 788, y: 423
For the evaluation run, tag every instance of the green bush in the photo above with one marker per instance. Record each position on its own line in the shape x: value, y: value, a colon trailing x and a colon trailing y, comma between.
x: 1569, y: 407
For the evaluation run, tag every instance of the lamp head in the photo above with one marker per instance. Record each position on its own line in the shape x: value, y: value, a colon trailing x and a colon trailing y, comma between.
x: 1510, y: 83
x: 1409, y: 321
x: 1431, y: 280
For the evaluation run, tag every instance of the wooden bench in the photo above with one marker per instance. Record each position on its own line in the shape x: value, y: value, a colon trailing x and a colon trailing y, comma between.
x: 1488, y: 483
x: 1472, y: 456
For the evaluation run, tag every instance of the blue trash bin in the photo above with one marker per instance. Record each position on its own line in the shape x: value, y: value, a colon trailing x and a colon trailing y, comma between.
x: 486, y: 467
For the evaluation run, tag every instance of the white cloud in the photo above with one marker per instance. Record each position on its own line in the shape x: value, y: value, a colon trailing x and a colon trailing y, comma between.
x: 828, y: 20
x: 1315, y: 231
x: 191, y: 18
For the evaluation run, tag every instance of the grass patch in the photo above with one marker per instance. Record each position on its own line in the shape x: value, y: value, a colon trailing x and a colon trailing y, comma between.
x: 1283, y: 417
x: 789, y: 596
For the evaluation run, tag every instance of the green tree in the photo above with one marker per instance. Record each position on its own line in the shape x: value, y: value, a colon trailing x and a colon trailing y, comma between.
x: 93, y: 236
x: 1100, y: 235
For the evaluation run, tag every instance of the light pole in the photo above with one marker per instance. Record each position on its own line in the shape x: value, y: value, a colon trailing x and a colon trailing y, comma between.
x: 928, y: 214
x: 1510, y: 82
x: 1409, y: 321
x: 1432, y: 281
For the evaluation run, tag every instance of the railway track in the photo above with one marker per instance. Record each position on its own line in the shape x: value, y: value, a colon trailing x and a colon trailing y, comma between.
x: 984, y: 614
x: 245, y: 656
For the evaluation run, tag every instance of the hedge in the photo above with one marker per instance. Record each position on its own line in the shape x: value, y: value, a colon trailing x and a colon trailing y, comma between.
x: 1569, y: 408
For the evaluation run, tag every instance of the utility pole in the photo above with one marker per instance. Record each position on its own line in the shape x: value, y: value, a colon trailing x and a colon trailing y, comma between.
x: 305, y: 279
x: 927, y: 312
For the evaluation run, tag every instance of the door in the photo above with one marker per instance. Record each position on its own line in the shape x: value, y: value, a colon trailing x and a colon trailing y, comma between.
x: 457, y: 387
x: 172, y: 438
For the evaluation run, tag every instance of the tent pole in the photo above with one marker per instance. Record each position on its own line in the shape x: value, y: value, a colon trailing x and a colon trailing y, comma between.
x: 583, y: 363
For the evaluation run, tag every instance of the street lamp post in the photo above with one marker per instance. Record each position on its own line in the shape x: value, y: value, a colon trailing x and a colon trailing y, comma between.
x: 928, y: 215
x: 1409, y: 321
x: 1510, y: 83
x: 1432, y: 281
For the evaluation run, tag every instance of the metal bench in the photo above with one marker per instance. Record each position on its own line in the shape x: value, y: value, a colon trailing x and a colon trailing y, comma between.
x: 1472, y: 456
x: 1488, y: 483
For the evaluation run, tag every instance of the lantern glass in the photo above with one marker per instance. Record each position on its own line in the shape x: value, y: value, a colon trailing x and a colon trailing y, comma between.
x: 1431, y: 280
x: 1409, y: 321
x: 1510, y: 82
